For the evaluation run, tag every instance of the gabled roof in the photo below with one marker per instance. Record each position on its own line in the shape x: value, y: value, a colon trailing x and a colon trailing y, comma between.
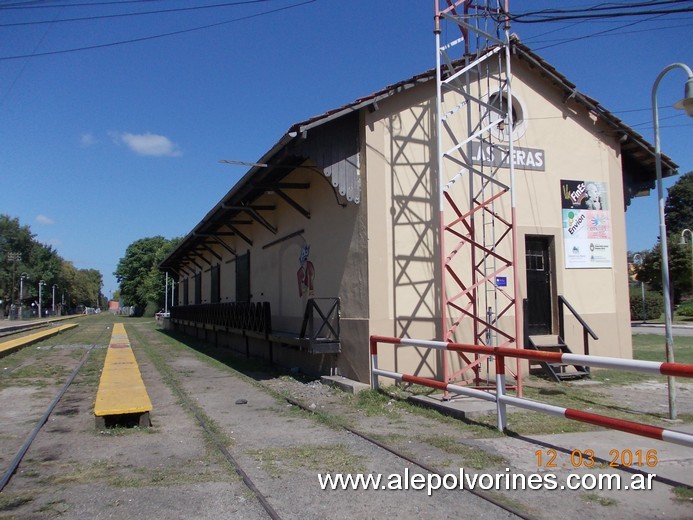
x: 638, y: 155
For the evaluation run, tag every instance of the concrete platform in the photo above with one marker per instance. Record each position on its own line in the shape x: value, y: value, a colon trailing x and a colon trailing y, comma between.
x: 344, y: 384
x: 458, y: 407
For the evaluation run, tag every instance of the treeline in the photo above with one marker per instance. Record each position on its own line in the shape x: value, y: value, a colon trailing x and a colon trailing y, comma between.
x: 142, y: 284
x: 647, y: 265
x: 25, y: 262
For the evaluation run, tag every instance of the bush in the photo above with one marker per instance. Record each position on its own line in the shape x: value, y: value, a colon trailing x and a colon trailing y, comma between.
x: 654, y: 306
x: 151, y: 309
x: 685, y: 309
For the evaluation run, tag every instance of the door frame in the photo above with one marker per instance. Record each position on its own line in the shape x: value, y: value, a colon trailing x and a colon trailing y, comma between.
x: 549, y: 257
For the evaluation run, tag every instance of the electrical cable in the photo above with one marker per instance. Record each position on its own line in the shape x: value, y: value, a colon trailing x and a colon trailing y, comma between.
x: 140, y: 13
x: 156, y: 36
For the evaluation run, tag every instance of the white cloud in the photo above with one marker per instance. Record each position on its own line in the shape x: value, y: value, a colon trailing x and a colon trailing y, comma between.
x: 149, y: 144
x: 87, y: 139
x: 43, y: 219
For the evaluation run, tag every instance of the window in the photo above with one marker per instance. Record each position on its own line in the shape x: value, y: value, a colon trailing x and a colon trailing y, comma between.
x: 499, y: 101
x: 243, y: 277
x: 215, y: 288
x: 198, y: 289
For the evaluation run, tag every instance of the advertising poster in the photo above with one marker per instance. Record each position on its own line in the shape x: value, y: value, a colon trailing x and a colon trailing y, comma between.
x: 586, y: 224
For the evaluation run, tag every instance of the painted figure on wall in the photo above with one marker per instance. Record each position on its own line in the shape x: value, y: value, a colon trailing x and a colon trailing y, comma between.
x: 306, y: 273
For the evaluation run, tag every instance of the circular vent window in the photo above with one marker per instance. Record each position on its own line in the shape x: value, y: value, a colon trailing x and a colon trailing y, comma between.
x: 502, y: 130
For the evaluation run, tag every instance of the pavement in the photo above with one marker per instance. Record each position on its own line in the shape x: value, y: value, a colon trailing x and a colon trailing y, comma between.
x: 659, y: 328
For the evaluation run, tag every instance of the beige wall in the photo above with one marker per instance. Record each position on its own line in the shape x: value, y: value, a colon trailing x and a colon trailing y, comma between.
x: 336, y: 236
x: 403, y: 219
x: 382, y: 256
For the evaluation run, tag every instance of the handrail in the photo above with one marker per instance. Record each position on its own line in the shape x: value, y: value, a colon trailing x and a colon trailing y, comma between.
x: 563, y: 301
x: 585, y: 328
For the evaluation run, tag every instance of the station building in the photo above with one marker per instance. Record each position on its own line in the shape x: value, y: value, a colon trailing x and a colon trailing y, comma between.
x: 334, y: 234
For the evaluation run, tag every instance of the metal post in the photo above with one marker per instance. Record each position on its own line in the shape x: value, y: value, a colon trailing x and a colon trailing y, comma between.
x: 21, y: 292
x: 637, y: 257
x: 41, y: 284
x: 669, y: 344
x: 54, y: 286
x: 683, y: 243
x: 644, y: 313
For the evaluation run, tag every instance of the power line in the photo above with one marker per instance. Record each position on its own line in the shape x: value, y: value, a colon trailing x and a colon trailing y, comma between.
x: 140, y: 13
x: 156, y: 36
x: 46, y: 4
x: 557, y: 15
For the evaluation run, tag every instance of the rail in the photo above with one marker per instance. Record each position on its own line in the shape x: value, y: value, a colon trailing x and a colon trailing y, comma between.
x: 502, y: 400
x: 586, y: 330
x: 328, y: 323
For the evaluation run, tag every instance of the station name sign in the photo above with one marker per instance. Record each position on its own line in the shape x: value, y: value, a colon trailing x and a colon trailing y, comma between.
x: 498, y: 156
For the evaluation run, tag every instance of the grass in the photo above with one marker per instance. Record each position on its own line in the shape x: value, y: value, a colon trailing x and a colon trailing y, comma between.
x: 684, y: 494
x: 334, y: 459
x: 10, y: 501
x: 598, y: 499
x: 647, y: 347
x: 471, y: 457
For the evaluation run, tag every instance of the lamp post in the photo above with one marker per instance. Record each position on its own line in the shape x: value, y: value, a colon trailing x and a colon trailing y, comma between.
x: 14, y: 257
x: 637, y: 257
x: 41, y: 284
x: 687, y: 104
x: 683, y: 243
x: 54, y: 286
x: 21, y: 292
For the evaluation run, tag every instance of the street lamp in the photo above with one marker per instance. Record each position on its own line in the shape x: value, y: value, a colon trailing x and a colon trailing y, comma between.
x: 687, y: 104
x: 637, y: 257
x: 14, y: 257
x: 683, y: 243
x: 54, y: 286
x: 40, y: 284
x: 21, y: 292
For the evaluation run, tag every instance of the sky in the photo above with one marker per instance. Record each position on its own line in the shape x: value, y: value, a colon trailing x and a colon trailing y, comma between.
x: 103, y: 142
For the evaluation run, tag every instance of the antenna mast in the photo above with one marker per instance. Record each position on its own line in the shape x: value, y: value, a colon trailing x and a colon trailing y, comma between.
x: 478, y: 252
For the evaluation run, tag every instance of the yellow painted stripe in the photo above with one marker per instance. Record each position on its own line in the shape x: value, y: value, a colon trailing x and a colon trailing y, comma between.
x: 121, y: 389
x: 8, y: 346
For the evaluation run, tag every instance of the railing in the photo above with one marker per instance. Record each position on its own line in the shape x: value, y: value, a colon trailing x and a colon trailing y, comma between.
x: 253, y: 317
x: 502, y: 400
x: 586, y: 330
x: 327, y: 326
x: 320, y: 332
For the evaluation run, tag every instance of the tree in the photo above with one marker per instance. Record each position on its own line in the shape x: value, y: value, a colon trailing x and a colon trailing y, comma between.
x: 40, y: 262
x: 678, y: 209
x: 650, y: 270
x: 678, y: 215
x: 14, y: 238
x: 141, y: 282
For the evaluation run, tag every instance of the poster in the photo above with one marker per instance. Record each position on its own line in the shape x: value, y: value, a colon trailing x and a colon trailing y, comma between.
x: 586, y: 224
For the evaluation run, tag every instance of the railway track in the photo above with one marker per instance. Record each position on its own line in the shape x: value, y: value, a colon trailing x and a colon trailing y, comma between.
x: 21, y: 452
x: 261, y: 446
x: 224, y: 444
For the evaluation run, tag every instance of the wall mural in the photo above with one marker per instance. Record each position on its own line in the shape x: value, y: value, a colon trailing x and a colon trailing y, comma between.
x: 586, y: 224
x: 306, y: 273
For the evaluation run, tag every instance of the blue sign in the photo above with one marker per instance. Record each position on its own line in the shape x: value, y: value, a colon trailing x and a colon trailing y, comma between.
x: 501, y: 281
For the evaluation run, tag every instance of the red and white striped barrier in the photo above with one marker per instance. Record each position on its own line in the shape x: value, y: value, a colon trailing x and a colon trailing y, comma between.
x: 501, y: 400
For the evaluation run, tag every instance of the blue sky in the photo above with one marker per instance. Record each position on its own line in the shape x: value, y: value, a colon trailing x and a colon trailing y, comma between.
x: 102, y: 147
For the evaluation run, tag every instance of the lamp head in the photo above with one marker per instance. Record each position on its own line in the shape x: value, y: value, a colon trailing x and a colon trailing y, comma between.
x: 687, y: 102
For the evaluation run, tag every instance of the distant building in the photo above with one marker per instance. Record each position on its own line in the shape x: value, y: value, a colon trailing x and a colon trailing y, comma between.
x: 346, y: 210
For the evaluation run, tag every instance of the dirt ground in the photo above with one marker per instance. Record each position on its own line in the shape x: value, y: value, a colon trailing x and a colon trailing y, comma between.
x: 172, y: 470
